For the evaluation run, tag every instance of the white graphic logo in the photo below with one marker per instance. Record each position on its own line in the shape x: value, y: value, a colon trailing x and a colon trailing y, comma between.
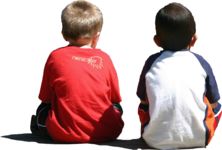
x: 94, y: 61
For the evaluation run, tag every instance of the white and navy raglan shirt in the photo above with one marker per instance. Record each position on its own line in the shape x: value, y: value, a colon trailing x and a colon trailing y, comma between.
x: 177, y: 85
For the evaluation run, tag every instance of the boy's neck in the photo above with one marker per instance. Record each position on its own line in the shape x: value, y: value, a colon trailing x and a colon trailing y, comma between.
x: 83, y: 43
x: 81, y: 46
x: 86, y: 46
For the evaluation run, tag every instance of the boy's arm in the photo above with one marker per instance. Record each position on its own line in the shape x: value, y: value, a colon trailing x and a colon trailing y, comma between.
x: 144, y: 102
x: 46, y: 91
x: 216, y: 107
x: 114, y: 82
x: 217, y: 113
x: 143, y: 112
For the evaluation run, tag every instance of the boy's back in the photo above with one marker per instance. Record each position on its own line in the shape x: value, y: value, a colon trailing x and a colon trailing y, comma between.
x: 84, y: 81
x: 175, y: 83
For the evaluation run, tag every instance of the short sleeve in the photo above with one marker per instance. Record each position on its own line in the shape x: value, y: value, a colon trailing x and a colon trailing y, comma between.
x: 141, y: 88
x: 46, y: 92
x: 114, y: 83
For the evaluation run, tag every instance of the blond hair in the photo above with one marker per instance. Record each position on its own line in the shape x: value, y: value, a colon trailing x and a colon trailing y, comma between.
x: 81, y: 19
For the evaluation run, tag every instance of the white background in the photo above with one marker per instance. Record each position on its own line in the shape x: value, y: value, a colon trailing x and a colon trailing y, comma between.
x: 31, y: 29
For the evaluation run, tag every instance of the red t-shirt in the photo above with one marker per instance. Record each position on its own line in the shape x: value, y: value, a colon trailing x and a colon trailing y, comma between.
x: 81, y: 84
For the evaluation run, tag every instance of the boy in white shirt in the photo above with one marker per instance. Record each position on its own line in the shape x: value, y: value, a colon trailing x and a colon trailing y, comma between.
x: 179, y: 95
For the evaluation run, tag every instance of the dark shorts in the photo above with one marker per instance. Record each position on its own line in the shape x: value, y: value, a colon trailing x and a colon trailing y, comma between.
x: 38, y: 121
x: 37, y: 125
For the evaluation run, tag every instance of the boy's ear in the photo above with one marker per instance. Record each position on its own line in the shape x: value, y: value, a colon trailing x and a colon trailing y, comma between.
x: 193, y: 40
x: 65, y: 38
x: 156, y: 39
x: 95, y: 40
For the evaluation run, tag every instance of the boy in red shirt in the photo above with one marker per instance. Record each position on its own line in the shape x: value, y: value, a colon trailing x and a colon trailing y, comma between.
x: 79, y: 92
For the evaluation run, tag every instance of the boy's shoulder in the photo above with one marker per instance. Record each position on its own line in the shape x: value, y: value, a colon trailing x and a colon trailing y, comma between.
x: 154, y: 56
x: 150, y: 60
x: 64, y: 49
x: 204, y: 63
x: 73, y: 49
x: 64, y: 52
x: 199, y: 57
x: 59, y: 51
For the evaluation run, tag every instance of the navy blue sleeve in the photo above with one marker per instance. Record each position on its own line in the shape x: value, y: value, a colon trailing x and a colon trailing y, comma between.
x: 212, y: 92
x: 141, y: 88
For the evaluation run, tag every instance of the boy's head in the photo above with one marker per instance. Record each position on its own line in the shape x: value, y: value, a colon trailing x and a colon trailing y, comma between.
x: 81, y: 22
x: 175, y: 27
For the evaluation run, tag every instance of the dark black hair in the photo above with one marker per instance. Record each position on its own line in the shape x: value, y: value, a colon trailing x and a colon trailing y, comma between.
x: 175, y: 26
